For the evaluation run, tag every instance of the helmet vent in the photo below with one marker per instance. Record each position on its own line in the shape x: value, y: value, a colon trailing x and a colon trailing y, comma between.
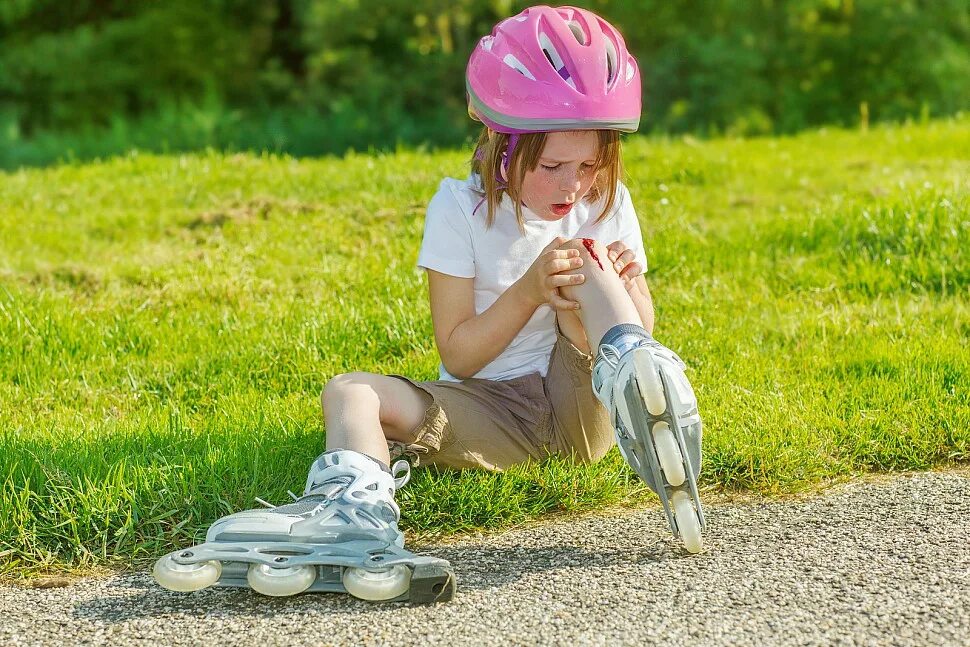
x: 555, y: 59
x: 578, y: 32
x: 631, y: 69
x: 610, y: 62
x: 517, y: 65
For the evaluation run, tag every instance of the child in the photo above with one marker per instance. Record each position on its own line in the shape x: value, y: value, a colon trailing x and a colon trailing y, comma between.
x: 533, y: 261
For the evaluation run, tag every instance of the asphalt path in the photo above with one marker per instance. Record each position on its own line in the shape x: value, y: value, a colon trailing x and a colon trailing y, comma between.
x: 883, y: 562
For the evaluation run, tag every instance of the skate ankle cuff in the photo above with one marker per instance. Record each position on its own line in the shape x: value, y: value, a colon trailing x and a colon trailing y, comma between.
x: 617, y: 332
x: 384, y: 466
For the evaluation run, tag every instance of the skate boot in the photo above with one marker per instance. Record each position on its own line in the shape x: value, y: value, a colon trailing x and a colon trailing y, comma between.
x: 655, y: 420
x: 340, y: 536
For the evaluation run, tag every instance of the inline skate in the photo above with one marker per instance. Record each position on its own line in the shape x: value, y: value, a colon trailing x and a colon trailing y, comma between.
x: 657, y: 426
x: 340, y: 536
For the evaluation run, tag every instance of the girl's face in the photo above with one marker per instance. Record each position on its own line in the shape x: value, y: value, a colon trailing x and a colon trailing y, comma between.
x: 565, y: 174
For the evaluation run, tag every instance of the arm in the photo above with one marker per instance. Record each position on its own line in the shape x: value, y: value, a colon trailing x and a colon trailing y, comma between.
x: 466, y: 341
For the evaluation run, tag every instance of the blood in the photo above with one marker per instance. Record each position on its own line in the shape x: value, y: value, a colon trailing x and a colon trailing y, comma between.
x: 588, y: 244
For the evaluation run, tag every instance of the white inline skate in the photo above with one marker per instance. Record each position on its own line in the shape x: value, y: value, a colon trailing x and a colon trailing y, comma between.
x: 657, y: 427
x: 340, y: 536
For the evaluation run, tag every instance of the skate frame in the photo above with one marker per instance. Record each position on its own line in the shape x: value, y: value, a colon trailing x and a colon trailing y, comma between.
x: 432, y: 579
x: 632, y: 390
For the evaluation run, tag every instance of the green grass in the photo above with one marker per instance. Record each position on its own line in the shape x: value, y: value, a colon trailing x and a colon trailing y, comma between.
x: 168, y: 322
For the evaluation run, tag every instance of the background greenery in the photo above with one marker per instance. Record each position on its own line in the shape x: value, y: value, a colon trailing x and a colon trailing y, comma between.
x: 84, y: 79
x: 168, y: 322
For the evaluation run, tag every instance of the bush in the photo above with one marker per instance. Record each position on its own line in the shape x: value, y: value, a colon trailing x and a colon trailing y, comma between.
x: 310, y: 76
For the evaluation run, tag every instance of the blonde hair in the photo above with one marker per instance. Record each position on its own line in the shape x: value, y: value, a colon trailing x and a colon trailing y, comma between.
x: 487, y: 161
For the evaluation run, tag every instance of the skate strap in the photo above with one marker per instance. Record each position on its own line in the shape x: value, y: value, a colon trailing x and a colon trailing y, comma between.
x: 604, y: 368
x: 330, y: 489
x: 413, y: 451
x: 608, y: 362
x: 400, y: 481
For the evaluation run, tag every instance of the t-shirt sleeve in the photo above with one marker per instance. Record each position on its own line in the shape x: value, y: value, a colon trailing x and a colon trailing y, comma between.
x: 628, y: 225
x: 447, y: 244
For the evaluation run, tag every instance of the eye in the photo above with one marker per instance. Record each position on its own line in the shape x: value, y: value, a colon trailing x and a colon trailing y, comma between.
x: 551, y: 168
x: 589, y: 164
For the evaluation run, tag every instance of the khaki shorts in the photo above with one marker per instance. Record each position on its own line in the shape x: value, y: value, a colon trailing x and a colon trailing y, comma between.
x: 493, y: 424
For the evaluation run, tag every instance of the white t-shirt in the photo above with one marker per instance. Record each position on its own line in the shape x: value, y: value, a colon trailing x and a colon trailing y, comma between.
x: 457, y: 243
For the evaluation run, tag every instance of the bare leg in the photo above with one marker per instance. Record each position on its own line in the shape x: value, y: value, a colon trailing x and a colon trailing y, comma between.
x: 363, y: 410
x: 604, y: 302
x: 572, y: 328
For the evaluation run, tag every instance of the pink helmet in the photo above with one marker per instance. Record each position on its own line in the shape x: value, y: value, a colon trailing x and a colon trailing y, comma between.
x: 553, y: 69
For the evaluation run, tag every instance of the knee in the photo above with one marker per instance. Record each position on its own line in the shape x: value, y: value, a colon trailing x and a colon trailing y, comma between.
x: 340, y: 387
x: 575, y: 243
x: 591, y: 251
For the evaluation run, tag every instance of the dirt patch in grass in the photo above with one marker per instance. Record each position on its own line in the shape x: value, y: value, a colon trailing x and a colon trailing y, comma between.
x: 250, y: 210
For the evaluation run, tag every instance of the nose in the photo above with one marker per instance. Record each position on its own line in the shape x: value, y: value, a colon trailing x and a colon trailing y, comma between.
x: 571, y: 184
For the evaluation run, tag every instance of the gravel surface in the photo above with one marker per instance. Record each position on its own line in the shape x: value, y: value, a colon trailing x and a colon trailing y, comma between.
x: 878, y: 563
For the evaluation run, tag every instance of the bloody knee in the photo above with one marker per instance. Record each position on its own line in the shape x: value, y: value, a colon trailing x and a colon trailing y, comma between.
x: 590, y: 249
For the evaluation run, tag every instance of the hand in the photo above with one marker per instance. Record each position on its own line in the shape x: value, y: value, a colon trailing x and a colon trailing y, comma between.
x: 541, y: 282
x: 624, y: 264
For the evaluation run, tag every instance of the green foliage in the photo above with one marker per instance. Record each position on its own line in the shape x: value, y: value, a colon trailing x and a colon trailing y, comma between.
x: 316, y: 76
x: 168, y: 323
x: 75, y: 64
x: 782, y: 65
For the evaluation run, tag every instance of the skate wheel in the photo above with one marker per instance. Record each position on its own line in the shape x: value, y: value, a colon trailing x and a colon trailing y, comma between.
x: 648, y: 381
x: 383, y: 584
x: 186, y: 578
x: 280, y: 582
x: 668, y: 454
x: 687, y: 522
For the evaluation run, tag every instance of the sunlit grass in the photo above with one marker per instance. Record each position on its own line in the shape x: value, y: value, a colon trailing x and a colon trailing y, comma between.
x: 167, y: 324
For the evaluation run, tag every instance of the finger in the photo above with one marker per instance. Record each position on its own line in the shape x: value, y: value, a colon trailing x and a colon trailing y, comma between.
x: 615, y: 250
x: 559, y: 303
x: 631, y: 271
x: 559, y: 280
x: 553, y: 297
x: 563, y: 264
x: 623, y: 260
x: 561, y: 254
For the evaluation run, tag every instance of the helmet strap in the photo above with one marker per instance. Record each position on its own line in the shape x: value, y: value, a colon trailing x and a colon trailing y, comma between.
x: 506, y: 156
x: 502, y: 176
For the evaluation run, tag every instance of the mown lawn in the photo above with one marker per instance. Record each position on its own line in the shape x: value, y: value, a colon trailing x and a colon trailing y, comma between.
x: 168, y: 322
